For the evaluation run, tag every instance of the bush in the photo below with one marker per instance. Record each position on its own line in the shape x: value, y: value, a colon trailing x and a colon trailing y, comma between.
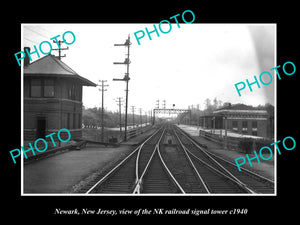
x: 246, y: 144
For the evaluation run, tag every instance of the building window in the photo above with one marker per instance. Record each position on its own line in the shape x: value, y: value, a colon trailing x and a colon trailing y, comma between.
x: 235, y: 125
x: 41, y: 88
x: 36, y: 88
x: 48, y: 88
x: 254, y: 128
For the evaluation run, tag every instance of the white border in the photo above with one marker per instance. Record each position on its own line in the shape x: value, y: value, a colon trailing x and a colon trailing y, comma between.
x: 130, y: 195
x: 275, y: 112
x: 22, y: 113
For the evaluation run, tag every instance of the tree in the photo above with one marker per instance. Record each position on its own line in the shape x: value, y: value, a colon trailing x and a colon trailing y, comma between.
x: 215, y: 103
x: 207, y: 103
x: 91, y: 117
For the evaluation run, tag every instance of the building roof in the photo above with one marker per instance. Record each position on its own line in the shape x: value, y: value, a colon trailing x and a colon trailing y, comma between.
x: 241, y: 109
x: 51, y: 66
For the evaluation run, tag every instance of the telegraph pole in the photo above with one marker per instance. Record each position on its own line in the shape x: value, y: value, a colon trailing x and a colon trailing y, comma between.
x: 60, y: 49
x: 132, y: 109
x: 126, y: 79
x: 102, y: 113
x: 119, y: 102
x: 141, y: 120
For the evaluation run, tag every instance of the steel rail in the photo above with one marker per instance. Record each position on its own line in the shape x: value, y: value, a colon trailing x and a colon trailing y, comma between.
x: 225, y: 160
x: 169, y: 172
x: 120, y: 164
x: 216, y: 170
x: 138, y: 156
x: 140, y: 179
x: 234, y: 177
x: 243, y: 169
x: 191, y: 162
x: 211, y: 153
x: 241, y: 184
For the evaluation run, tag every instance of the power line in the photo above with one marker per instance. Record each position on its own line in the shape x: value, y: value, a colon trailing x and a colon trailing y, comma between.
x: 45, y: 30
x: 36, y: 32
x: 30, y: 40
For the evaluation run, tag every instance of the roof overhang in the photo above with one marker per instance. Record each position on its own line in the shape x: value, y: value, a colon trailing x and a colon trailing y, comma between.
x: 82, y: 80
x: 235, y: 111
x: 50, y: 66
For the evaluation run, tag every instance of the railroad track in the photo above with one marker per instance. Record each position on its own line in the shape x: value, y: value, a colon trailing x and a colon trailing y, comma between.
x: 143, y: 171
x: 180, y: 165
x: 246, y: 180
x: 195, y: 175
x: 170, y: 161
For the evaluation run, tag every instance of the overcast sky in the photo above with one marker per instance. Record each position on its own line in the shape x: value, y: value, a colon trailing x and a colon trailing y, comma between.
x: 183, y: 67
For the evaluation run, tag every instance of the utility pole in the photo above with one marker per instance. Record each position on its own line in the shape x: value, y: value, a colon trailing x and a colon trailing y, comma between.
x: 126, y: 79
x: 60, y: 49
x: 132, y: 109
x: 141, y: 120
x: 102, y: 114
x: 119, y: 102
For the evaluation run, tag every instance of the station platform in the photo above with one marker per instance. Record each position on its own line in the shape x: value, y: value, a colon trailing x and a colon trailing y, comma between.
x: 68, y: 171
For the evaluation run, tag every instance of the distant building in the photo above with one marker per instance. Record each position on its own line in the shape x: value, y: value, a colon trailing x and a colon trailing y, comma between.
x: 242, y: 119
x: 52, y: 98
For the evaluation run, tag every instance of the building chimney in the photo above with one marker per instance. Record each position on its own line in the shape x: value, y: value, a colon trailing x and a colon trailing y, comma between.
x: 26, y: 59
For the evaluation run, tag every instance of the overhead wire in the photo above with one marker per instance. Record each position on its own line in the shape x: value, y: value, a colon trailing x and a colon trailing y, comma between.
x: 36, y: 32
x: 30, y: 40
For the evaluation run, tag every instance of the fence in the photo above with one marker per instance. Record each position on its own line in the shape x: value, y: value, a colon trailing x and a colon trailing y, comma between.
x: 246, y: 145
x: 136, y: 131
